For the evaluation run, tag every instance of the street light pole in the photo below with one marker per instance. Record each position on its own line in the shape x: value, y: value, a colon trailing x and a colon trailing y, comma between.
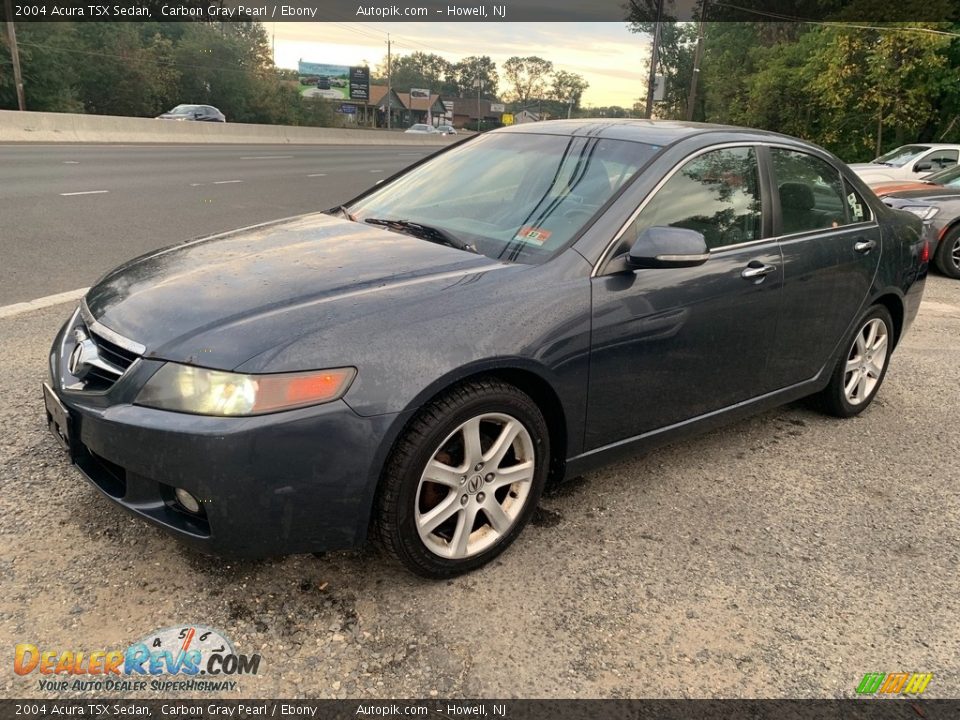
x: 654, y: 52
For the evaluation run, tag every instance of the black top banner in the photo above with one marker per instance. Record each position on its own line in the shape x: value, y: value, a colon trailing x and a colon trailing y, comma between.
x: 873, y: 11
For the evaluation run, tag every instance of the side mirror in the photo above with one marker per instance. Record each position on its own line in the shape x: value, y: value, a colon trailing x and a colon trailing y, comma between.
x: 923, y: 167
x: 668, y: 247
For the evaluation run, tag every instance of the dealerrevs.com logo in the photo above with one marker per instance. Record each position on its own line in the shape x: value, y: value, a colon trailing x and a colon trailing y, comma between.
x: 890, y: 684
x: 200, y: 658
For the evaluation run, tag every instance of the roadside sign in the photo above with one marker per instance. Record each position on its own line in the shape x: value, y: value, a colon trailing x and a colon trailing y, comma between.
x: 497, y: 107
x: 507, y: 118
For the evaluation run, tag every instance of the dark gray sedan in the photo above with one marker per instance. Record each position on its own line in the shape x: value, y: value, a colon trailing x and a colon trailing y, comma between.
x: 525, y: 305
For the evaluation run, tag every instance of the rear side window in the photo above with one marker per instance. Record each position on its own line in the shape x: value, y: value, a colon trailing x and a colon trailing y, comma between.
x: 716, y: 194
x: 811, y: 192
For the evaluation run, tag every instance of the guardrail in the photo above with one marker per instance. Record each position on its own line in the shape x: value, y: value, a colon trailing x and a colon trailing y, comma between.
x: 16, y: 126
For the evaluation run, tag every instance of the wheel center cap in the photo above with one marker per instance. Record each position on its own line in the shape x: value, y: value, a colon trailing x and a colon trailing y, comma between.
x: 474, y: 484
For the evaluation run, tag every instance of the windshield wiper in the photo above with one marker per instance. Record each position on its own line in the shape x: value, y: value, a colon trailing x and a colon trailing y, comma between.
x: 424, y: 232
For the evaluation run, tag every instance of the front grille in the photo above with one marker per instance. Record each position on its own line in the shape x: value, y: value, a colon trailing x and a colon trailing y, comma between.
x: 94, y: 357
x: 102, y: 378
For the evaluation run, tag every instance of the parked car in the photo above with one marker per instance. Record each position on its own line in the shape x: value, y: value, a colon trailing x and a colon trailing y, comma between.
x: 199, y: 113
x: 422, y: 128
x: 939, y: 207
x: 949, y: 178
x: 529, y: 304
x: 909, y: 162
x: 446, y: 129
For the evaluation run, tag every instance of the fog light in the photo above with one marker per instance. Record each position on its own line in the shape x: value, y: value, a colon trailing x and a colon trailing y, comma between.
x: 189, y: 502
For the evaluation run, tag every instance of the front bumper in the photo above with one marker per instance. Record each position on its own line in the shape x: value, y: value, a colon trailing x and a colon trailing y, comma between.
x: 289, y: 482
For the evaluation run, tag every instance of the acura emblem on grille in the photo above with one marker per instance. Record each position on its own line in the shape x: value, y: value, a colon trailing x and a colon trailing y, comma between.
x: 86, y: 357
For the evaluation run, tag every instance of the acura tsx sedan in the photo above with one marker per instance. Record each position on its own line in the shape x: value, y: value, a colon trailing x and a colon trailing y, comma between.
x: 414, y: 365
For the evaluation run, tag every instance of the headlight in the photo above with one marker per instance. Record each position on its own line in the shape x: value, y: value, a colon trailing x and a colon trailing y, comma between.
x: 924, y: 212
x: 188, y: 389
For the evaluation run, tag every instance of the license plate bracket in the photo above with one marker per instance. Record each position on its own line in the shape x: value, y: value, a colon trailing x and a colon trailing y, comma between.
x: 58, y: 418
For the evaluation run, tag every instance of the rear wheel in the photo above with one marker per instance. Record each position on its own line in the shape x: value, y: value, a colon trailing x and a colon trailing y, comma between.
x: 861, y: 369
x: 948, y: 254
x: 463, y: 480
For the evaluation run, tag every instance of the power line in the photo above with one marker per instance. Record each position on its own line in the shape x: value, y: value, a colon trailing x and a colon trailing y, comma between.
x: 829, y: 23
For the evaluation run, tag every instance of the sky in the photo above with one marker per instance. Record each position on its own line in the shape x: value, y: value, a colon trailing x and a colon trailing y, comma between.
x: 612, y: 59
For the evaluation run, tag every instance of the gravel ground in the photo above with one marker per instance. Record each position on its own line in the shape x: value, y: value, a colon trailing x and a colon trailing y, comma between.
x: 783, y: 556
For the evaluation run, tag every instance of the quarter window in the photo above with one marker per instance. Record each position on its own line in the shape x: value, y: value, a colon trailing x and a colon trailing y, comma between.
x: 811, y: 192
x: 858, y: 211
x: 716, y: 194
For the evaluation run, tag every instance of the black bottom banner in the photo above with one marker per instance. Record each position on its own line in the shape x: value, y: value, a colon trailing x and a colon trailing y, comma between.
x: 853, y: 709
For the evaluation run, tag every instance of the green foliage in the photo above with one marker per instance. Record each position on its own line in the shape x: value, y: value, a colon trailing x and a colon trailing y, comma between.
x: 143, y: 69
x: 527, y: 77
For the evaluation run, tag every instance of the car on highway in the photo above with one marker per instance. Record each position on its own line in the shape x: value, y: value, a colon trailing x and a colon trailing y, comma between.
x: 909, y: 162
x: 197, y: 113
x: 422, y: 128
x: 415, y: 364
x: 446, y: 129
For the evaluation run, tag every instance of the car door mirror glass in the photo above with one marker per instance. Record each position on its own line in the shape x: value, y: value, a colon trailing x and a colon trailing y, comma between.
x: 923, y: 166
x: 663, y: 247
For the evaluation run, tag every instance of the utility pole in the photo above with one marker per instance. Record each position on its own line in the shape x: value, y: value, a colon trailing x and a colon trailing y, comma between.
x: 14, y: 54
x: 389, y: 82
x: 654, y: 53
x: 697, y: 57
x: 479, y: 83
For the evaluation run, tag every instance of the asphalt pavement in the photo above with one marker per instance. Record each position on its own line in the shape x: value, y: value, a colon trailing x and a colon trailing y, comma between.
x: 72, y: 212
x: 782, y: 556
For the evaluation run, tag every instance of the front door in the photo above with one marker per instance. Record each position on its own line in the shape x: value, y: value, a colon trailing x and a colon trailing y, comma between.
x: 673, y: 344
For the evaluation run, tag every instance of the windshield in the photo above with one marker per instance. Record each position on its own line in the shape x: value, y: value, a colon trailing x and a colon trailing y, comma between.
x: 902, y: 155
x: 512, y: 196
x: 185, y: 109
x: 949, y: 177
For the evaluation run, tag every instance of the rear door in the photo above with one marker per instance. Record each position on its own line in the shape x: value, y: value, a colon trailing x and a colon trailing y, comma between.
x: 831, y: 250
x: 670, y: 344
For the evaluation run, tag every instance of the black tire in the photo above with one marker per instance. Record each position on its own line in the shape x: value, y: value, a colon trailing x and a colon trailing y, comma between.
x: 833, y: 399
x: 948, y: 254
x: 398, y: 498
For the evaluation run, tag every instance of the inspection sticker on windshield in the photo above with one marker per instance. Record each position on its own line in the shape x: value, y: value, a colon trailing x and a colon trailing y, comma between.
x: 532, y: 234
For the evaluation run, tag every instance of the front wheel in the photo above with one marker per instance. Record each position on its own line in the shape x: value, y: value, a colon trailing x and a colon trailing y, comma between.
x: 948, y: 254
x: 463, y: 480
x: 861, y: 369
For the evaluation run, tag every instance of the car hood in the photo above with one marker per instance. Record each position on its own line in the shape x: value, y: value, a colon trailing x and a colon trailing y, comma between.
x: 929, y: 193
x: 897, y: 186
x: 247, y: 288
x: 874, y: 170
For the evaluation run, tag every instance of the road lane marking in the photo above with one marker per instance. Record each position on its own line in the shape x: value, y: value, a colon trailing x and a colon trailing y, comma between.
x: 71, y: 162
x: 317, y: 175
x: 86, y: 192
x: 266, y: 157
x: 226, y: 182
x: 7, y: 311
x: 376, y: 171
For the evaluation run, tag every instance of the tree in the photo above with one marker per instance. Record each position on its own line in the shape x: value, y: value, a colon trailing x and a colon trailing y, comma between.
x: 468, y: 71
x: 568, y: 87
x: 421, y: 70
x: 527, y: 77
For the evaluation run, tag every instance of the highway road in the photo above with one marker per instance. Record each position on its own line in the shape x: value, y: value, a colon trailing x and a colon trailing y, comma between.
x: 72, y: 212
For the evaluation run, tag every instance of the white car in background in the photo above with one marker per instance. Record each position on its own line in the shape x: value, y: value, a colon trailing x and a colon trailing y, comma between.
x: 908, y: 162
x: 422, y: 128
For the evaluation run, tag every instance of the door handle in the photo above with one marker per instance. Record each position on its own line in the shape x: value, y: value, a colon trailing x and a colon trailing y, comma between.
x: 757, y: 271
x: 864, y: 246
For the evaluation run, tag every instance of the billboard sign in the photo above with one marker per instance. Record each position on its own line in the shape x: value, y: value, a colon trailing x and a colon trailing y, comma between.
x: 334, y: 82
x: 360, y: 83
x: 419, y: 93
x: 497, y: 107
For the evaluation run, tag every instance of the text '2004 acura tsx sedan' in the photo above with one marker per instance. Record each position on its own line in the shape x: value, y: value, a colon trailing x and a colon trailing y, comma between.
x: 530, y: 303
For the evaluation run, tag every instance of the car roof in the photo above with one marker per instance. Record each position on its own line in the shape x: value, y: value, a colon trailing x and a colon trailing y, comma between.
x: 653, y: 132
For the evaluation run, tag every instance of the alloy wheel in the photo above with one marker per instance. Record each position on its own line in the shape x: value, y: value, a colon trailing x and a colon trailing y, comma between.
x: 865, y: 362
x: 475, y: 486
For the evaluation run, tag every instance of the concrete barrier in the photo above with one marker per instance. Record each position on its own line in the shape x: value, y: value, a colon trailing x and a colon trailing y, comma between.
x: 75, y: 128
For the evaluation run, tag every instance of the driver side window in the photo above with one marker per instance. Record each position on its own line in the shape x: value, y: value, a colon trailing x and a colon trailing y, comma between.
x: 717, y: 194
